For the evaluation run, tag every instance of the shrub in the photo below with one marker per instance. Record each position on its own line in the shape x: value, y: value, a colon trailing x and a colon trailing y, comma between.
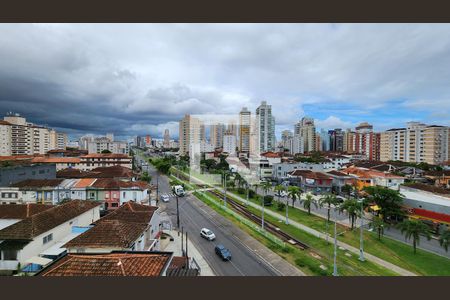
x: 281, y: 206
x: 268, y: 200
x: 251, y: 193
x: 241, y: 191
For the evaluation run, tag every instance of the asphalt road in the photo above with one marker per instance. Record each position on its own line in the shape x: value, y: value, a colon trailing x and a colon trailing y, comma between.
x: 192, y: 218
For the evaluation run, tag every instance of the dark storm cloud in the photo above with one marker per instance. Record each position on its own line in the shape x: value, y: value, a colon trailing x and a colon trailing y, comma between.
x: 139, y: 78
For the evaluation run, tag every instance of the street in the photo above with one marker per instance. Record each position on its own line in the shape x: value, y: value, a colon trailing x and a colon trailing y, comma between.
x: 194, y: 215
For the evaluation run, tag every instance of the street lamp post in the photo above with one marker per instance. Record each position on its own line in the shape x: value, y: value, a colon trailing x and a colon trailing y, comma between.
x: 178, y: 214
x: 361, y: 239
x: 287, y: 215
x: 335, y: 272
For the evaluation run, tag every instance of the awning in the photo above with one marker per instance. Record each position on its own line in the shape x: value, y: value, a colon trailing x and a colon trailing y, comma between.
x: 39, y: 261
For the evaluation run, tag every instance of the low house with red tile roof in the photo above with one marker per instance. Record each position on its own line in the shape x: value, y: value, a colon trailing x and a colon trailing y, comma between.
x: 21, y: 243
x: 71, y: 173
x: 370, y: 177
x: 131, y: 227
x: 117, y: 172
x: 117, y: 192
x: 60, y: 162
x: 341, y: 179
x: 310, y: 181
x: 37, y: 190
x: 13, y: 213
x: 145, y: 264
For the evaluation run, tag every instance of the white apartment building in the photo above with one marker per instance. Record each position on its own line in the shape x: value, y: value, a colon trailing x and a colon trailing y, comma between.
x: 216, y: 134
x: 5, y: 138
x: 192, y: 131
x: 104, y: 143
x: 229, y: 144
x: 21, y: 138
x: 265, y: 127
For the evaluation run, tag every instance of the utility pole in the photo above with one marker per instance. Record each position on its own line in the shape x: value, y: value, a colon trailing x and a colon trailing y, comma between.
x: 287, y: 218
x: 361, y: 239
x: 187, y: 256
x: 182, y: 237
x: 178, y: 214
x: 157, y: 187
x: 248, y: 188
x: 262, y: 219
x: 335, y: 272
x: 225, y: 197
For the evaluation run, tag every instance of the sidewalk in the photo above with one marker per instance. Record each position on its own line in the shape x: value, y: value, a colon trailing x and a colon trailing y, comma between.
x: 175, y: 247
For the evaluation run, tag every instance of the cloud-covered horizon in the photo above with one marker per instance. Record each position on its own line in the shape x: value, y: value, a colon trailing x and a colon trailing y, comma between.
x: 137, y: 79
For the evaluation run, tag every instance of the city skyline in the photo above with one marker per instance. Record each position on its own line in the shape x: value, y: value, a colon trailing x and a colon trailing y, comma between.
x: 95, y: 82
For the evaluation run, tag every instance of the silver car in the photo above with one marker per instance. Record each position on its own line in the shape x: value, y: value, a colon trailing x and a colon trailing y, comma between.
x: 207, y: 234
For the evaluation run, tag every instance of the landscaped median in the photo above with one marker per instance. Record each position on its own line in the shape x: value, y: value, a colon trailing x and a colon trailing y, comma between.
x: 310, y: 261
x: 395, y: 252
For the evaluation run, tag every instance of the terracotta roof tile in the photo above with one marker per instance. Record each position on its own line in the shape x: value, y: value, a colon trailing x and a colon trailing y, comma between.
x: 106, y: 155
x: 84, y: 182
x: 21, y: 211
x: 111, y: 264
x: 41, y: 222
x: 109, y: 233
x: 37, y: 183
x: 56, y: 160
x: 310, y: 174
x: 69, y: 173
x: 112, y: 172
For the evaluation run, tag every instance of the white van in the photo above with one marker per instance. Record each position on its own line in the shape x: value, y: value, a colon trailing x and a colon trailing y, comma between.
x: 178, y: 190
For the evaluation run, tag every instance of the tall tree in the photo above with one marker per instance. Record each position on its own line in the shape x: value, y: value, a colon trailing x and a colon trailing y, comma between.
x: 347, y: 189
x: 328, y: 200
x: 388, y: 200
x: 308, y: 201
x: 413, y: 229
x: 353, y: 209
x: 294, y: 192
x: 278, y: 189
x: 378, y: 225
x: 444, y: 239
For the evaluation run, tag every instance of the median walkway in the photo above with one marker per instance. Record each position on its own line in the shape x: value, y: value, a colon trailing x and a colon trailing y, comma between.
x: 321, y: 235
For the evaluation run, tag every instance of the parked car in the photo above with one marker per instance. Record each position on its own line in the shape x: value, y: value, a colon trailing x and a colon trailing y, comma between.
x: 207, y: 234
x: 223, y: 252
x: 281, y: 193
x: 165, y: 198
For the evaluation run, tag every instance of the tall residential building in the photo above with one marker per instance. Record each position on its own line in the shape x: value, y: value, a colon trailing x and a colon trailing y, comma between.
x: 367, y: 142
x: 336, y: 140
x: 244, y: 130
x: 148, y: 140
x: 216, y: 133
x: 325, y: 140
x: 100, y: 144
x: 166, y: 143
x: 417, y: 143
x: 307, y: 132
x: 110, y: 136
x: 5, y: 138
x: 19, y: 137
x: 349, y: 141
x: 265, y: 127
x: 192, y: 131
x: 229, y: 144
x: 286, y: 139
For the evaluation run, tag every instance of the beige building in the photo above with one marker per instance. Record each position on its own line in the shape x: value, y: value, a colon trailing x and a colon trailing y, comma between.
x: 192, y: 131
x: 58, y: 140
x: 216, y: 134
x: 5, y: 138
x: 416, y: 143
x: 349, y: 144
x: 307, y: 132
x: 244, y: 130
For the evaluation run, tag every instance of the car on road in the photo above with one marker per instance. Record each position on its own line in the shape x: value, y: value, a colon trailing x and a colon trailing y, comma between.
x: 207, y: 234
x: 223, y: 252
x: 281, y: 193
x: 165, y: 198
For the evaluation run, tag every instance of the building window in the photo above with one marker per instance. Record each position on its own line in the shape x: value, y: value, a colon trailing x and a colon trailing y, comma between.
x: 9, y: 254
x: 41, y: 171
x: 114, y: 204
x: 48, y: 238
x: 124, y: 194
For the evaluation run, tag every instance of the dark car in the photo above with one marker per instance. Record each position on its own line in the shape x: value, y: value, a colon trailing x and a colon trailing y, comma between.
x: 223, y: 252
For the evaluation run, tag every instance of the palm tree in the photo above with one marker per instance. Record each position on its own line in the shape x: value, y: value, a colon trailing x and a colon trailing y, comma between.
x: 347, y: 189
x: 353, y: 209
x: 307, y: 202
x: 444, y: 239
x: 378, y: 225
x: 294, y: 192
x: 414, y: 229
x: 239, y: 179
x: 328, y: 200
x: 279, y: 188
x: 267, y: 186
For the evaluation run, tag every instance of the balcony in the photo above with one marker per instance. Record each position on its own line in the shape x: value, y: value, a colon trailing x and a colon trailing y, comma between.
x: 10, y: 265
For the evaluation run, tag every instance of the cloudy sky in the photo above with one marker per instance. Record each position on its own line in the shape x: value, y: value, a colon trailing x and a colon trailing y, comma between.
x: 142, y: 78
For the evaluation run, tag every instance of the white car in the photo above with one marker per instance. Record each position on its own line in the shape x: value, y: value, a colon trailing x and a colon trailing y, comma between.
x: 282, y: 193
x: 164, y: 198
x: 207, y: 234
